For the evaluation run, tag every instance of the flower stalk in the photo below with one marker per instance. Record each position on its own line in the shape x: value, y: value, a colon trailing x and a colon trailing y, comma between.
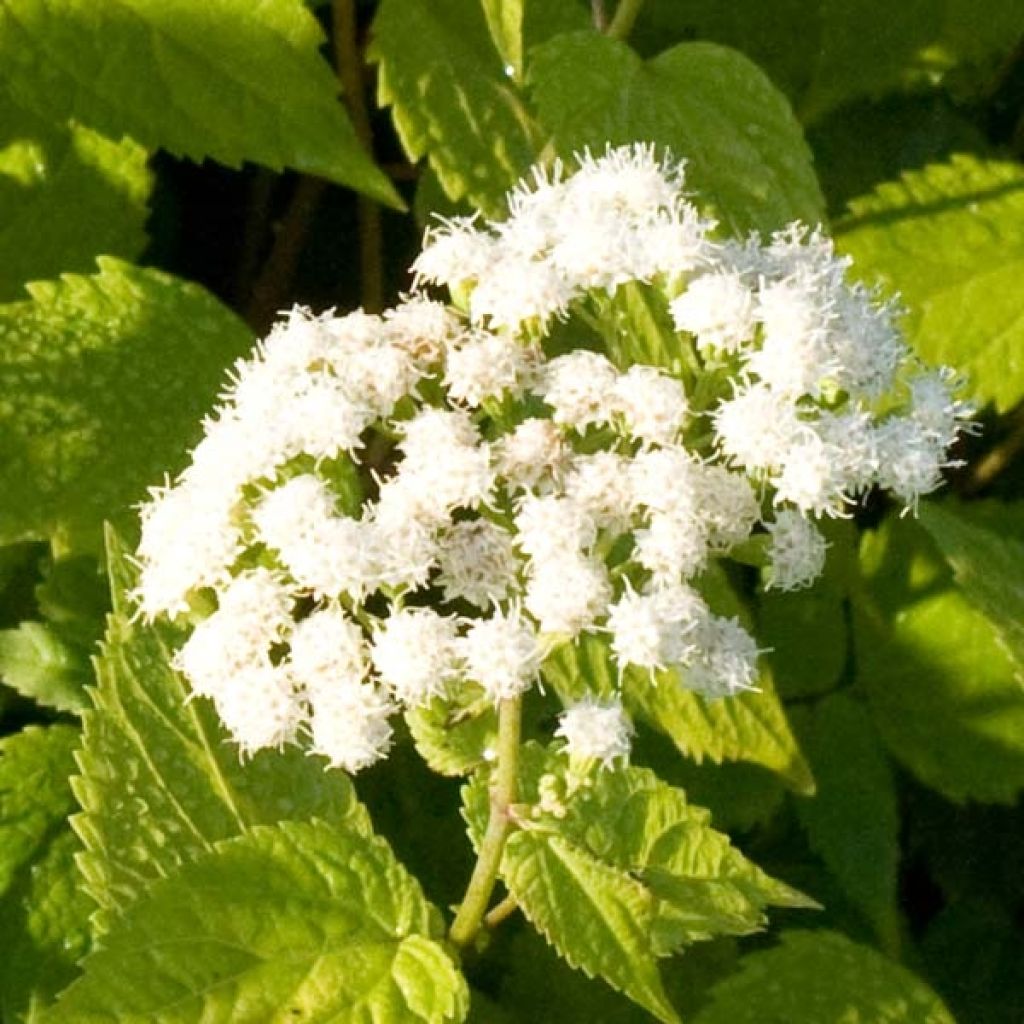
x: 504, y: 792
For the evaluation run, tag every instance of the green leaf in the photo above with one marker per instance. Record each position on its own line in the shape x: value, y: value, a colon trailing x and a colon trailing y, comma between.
x: 151, y: 69
x: 805, y: 631
x: 821, y: 977
x: 950, y: 239
x: 988, y: 565
x: 450, y: 97
x: 853, y: 820
x: 108, y: 378
x: 43, y: 912
x: 598, y: 918
x: 622, y: 870
x: 505, y: 22
x: 746, y: 154
x: 67, y: 195
x: 303, y: 921
x: 867, y: 47
x: 942, y: 689
x: 44, y: 930
x: 38, y: 662
x: 453, y: 734
x: 749, y: 727
x: 34, y: 794
x: 160, y: 784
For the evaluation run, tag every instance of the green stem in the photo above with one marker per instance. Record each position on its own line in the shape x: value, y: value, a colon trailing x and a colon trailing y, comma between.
x: 504, y: 791
x: 625, y: 16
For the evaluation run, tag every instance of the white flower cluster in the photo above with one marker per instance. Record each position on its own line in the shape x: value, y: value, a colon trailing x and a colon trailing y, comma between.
x: 388, y: 507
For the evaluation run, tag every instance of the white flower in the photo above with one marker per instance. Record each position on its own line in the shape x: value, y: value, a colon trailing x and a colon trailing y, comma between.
x: 757, y: 427
x: 454, y: 251
x: 671, y: 547
x: 653, y: 404
x: 725, y: 659
x: 502, y: 654
x: 600, y: 485
x: 423, y: 329
x: 485, y: 365
x: 567, y: 594
x: 189, y: 540
x: 414, y: 651
x: 718, y: 309
x: 478, y: 563
x: 598, y: 730
x: 579, y: 387
x: 327, y: 653
x: 259, y: 707
x: 534, y: 456
x: 796, y: 552
x: 351, y: 729
x: 552, y: 525
x: 728, y: 506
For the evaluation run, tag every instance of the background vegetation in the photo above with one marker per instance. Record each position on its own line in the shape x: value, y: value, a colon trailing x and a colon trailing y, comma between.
x: 171, y: 174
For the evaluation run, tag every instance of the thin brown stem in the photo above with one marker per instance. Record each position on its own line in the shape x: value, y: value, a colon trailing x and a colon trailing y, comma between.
x: 993, y: 463
x: 270, y: 290
x: 348, y: 62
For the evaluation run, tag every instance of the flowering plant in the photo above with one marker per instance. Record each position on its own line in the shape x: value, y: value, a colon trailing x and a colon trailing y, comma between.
x: 576, y: 606
x: 411, y: 512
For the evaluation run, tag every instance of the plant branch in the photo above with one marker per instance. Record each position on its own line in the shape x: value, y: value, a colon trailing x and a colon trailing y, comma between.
x: 506, y: 908
x: 600, y: 15
x: 992, y: 464
x: 625, y: 15
x: 271, y: 287
x: 504, y: 791
x: 348, y: 63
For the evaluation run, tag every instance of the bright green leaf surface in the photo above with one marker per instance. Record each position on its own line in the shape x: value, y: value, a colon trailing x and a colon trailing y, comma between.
x: 450, y: 97
x: 853, y: 819
x: 988, y: 565
x: 39, y: 663
x: 34, y: 793
x: 597, y: 917
x: 822, y: 977
x: 623, y: 870
x: 225, y: 79
x: 43, y: 911
x: 44, y: 929
x: 746, y: 154
x: 107, y: 379
x: 505, y: 21
x: 950, y: 240
x: 942, y: 689
x: 451, y: 735
x: 302, y: 922
x: 160, y: 783
x: 749, y: 727
x: 67, y: 195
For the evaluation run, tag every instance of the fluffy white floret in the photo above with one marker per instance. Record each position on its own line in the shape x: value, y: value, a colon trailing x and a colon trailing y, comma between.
x: 596, y: 730
x: 796, y: 552
x: 567, y: 594
x: 653, y: 405
x: 502, y: 654
x: 718, y: 309
x: 415, y: 653
x: 351, y: 729
x: 478, y: 563
x: 579, y: 387
x: 485, y: 365
x: 327, y: 652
